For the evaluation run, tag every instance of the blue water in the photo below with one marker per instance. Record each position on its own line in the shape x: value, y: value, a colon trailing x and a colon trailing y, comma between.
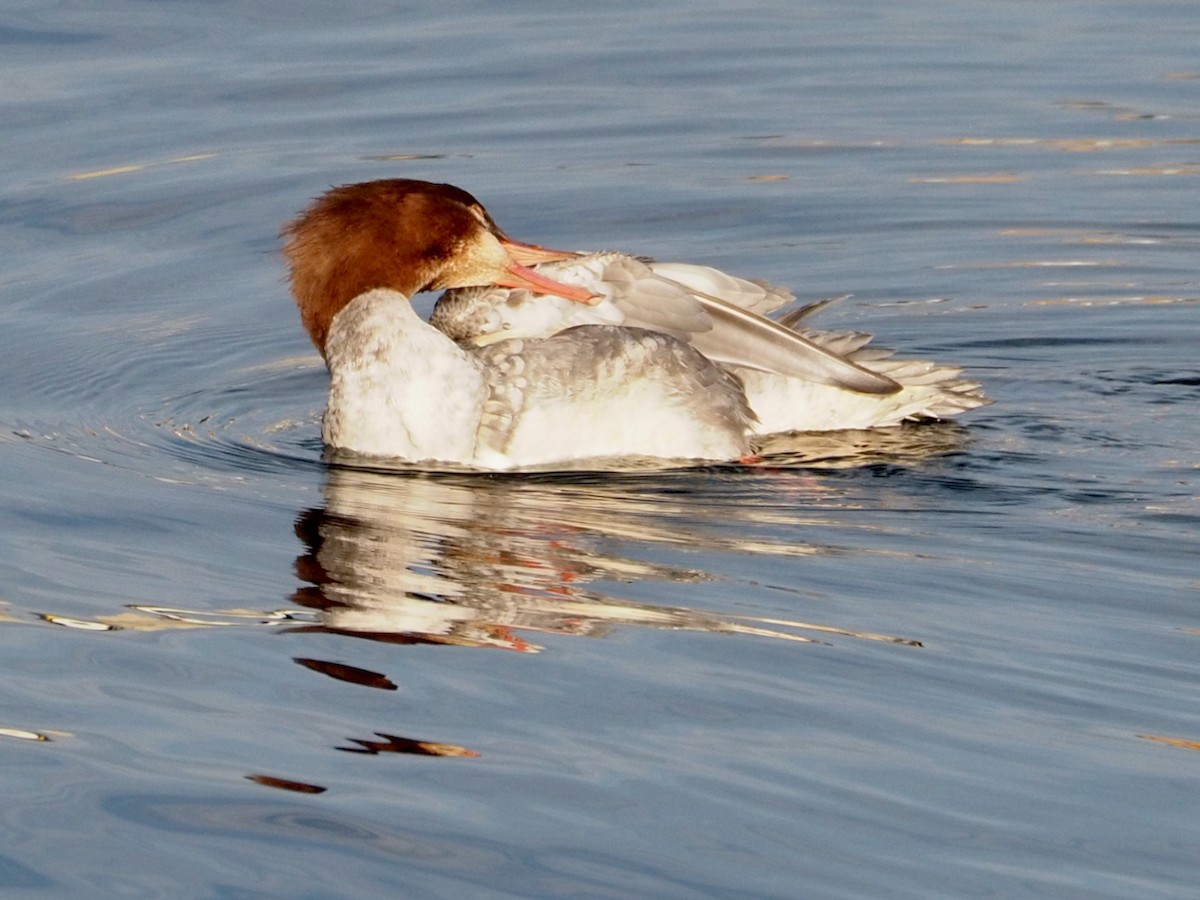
x: 953, y: 661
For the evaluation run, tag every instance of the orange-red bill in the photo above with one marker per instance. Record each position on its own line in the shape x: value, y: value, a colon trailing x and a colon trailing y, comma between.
x: 532, y: 254
x: 520, y: 276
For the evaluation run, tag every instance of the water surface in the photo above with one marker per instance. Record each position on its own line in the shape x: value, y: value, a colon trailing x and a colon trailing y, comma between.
x: 947, y: 661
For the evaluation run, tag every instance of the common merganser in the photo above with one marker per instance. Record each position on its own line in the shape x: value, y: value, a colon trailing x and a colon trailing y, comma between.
x: 586, y: 356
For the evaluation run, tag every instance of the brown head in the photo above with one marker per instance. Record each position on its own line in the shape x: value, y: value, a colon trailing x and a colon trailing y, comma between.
x: 406, y: 235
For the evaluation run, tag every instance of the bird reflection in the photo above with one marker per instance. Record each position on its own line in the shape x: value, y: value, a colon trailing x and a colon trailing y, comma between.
x: 490, y: 561
x: 479, y: 563
x: 493, y: 561
x: 408, y: 556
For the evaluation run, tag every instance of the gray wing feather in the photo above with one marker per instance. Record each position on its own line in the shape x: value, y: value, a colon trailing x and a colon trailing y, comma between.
x: 742, y: 338
x: 725, y: 331
x: 648, y: 301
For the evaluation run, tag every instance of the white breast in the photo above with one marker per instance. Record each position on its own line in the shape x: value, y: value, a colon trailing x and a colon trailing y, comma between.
x: 398, y: 387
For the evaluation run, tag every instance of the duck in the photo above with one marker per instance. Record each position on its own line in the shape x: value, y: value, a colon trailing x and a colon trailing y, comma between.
x: 536, y: 358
